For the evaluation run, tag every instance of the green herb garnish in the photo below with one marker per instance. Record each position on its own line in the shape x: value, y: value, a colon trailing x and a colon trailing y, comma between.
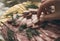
x: 10, y: 35
x: 22, y: 27
x: 17, y: 16
x: 31, y: 32
x: 33, y: 6
x: 13, y: 21
x: 1, y: 40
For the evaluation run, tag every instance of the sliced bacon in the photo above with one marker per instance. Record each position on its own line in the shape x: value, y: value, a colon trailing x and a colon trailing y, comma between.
x: 38, y: 38
x: 21, y: 37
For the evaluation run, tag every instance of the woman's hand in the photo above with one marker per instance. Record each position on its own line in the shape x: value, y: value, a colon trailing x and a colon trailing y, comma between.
x: 50, y: 16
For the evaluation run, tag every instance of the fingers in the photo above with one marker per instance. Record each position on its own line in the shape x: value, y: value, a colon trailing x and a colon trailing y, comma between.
x: 44, y: 5
x: 51, y: 17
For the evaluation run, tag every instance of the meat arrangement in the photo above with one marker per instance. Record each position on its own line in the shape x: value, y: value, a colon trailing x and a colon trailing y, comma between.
x: 28, y: 28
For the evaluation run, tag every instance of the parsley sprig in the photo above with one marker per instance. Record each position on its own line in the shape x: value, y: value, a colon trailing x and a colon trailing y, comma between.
x: 30, y: 32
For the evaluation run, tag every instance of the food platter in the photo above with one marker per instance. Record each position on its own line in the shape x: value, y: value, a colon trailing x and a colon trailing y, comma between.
x: 27, y: 27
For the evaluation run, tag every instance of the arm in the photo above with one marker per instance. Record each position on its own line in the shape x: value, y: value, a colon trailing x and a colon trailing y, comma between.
x: 54, y: 16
